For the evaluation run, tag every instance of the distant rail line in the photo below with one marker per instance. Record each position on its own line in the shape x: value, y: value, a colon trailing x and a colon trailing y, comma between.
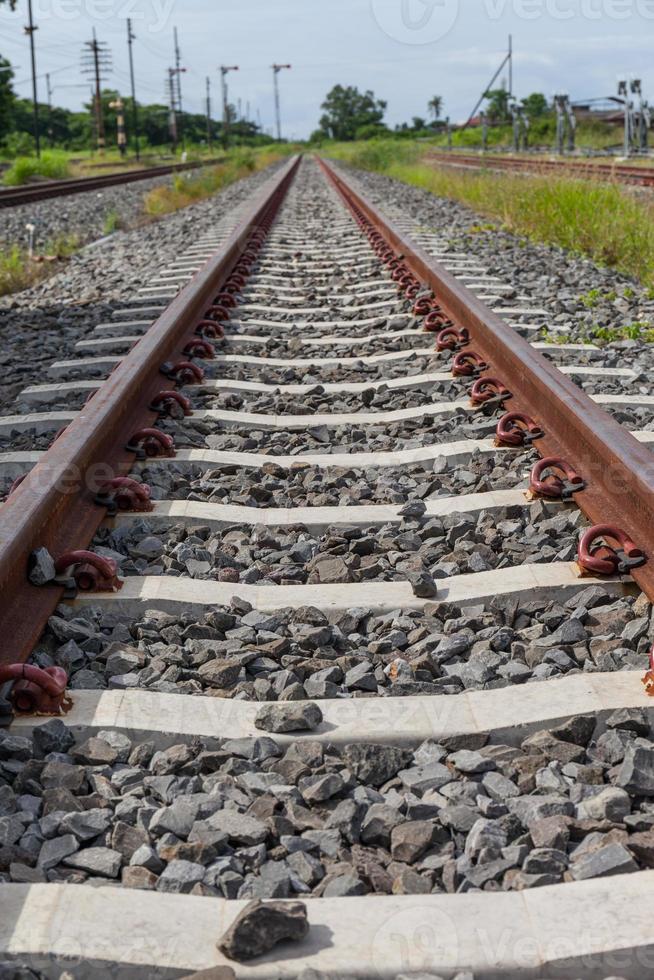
x: 622, y: 173
x: 13, y: 196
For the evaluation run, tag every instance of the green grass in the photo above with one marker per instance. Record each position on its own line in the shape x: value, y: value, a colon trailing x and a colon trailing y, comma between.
x: 18, y: 271
x: 112, y: 222
x: 184, y: 190
x: 601, y: 221
x: 52, y: 165
x: 601, y: 336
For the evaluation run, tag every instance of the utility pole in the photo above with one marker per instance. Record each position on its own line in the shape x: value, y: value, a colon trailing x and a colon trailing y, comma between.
x: 172, y: 95
x: 49, y: 89
x: 276, y: 70
x: 98, y: 63
x: 119, y: 106
x: 29, y: 30
x: 510, y: 64
x: 224, y: 69
x: 209, y: 113
x: 135, y: 113
x: 173, y: 112
x: 178, y: 70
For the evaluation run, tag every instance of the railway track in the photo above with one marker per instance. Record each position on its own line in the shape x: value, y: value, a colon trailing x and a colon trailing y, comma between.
x: 13, y: 196
x: 330, y: 639
x: 588, y: 170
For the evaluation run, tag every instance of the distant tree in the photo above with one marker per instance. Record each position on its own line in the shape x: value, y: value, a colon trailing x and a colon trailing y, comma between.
x: 12, y: 3
x: 435, y: 106
x: 418, y: 123
x: 347, y: 110
x: 498, y: 105
x: 7, y: 98
x: 535, y: 105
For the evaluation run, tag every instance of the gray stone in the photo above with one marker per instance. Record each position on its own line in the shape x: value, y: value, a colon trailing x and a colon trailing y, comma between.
x: 421, y: 779
x: 614, y: 859
x: 180, y: 877
x: 41, y: 567
x: 636, y: 774
x: 55, y: 850
x: 611, y: 803
x: 288, y: 717
x: 316, y: 789
x: 343, y: 885
x: 471, y: 762
x: 410, y: 840
x: 378, y: 823
x: 239, y: 827
x: 87, y: 824
x: 260, y: 926
x: 374, y: 764
x: 54, y: 736
x: 101, y: 861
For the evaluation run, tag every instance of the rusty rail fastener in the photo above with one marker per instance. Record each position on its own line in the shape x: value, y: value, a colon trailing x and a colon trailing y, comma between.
x: 164, y: 403
x: 91, y: 572
x: 648, y: 679
x: 597, y: 557
x: 467, y: 363
x: 423, y: 305
x: 184, y: 372
x: 489, y: 391
x: 450, y: 338
x: 124, y: 493
x: 545, y: 479
x: 210, y: 329
x: 199, y: 348
x: 36, y: 690
x: 516, y: 429
x: 151, y: 443
x: 217, y: 312
x: 225, y: 299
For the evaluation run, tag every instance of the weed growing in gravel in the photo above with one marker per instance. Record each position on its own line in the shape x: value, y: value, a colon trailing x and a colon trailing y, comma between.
x: 602, y: 221
x: 184, y: 190
x: 596, y: 334
x: 112, y: 223
x: 18, y: 270
x: 52, y: 164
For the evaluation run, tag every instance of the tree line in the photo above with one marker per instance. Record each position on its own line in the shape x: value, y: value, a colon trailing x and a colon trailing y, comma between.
x: 348, y: 114
x: 70, y: 130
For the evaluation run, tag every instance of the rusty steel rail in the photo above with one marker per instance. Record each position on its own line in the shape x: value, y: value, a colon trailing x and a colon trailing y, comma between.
x: 55, y: 507
x: 13, y: 196
x: 618, y: 470
x: 587, y: 170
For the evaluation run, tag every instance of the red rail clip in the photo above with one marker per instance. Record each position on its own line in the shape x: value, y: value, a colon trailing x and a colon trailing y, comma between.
x: 545, y: 481
x: 210, y: 329
x: 184, y: 372
x: 487, y: 391
x: 450, y: 338
x: 466, y: 363
x: 36, y: 690
x: 199, y: 348
x: 151, y: 442
x: 91, y: 572
x: 164, y: 401
x: 123, y: 493
x: 648, y: 679
x: 516, y: 429
x: 598, y: 557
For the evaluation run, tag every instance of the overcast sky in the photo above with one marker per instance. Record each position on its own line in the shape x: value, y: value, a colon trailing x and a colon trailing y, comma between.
x: 404, y: 50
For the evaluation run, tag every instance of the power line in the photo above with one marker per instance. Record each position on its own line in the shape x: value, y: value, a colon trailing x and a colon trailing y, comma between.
x: 30, y: 29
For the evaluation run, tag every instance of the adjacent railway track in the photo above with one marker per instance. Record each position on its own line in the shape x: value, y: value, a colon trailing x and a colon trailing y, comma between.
x: 13, y: 196
x: 349, y: 596
x: 588, y: 170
